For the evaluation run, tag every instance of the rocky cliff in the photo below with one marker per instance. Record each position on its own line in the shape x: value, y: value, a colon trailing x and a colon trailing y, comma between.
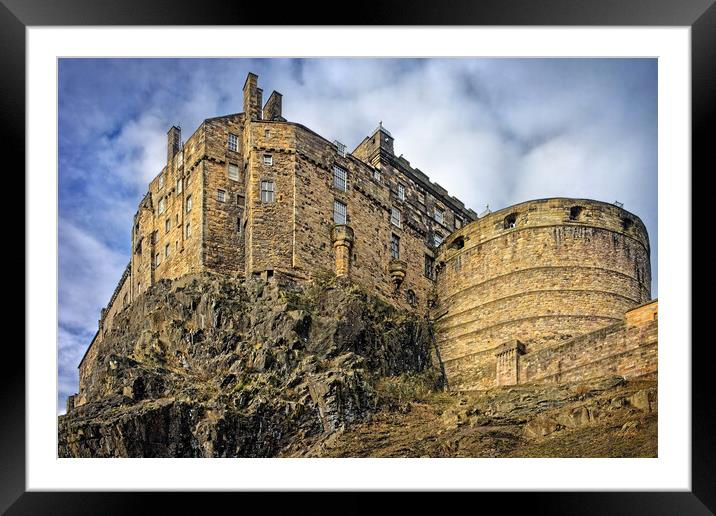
x: 209, y: 366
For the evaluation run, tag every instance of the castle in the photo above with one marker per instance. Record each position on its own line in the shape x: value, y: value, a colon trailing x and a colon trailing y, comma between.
x: 547, y: 290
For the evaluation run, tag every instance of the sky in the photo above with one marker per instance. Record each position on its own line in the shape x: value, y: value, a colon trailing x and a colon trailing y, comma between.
x: 491, y: 131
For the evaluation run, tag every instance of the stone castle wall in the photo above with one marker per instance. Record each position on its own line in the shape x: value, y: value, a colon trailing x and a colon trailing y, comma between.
x: 512, y: 287
x: 628, y: 349
x: 541, y: 273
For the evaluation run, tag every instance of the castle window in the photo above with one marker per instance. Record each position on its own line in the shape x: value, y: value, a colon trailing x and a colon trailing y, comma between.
x: 180, y: 184
x: 340, y: 178
x: 458, y: 222
x: 267, y: 191
x: 233, y: 142
x: 157, y: 260
x: 395, y: 216
x: 267, y: 133
x: 439, y: 216
x: 167, y: 225
x: 395, y: 247
x: 339, y: 212
x: 188, y: 179
x: 187, y: 230
x: 180, y: 158
x: 510, y: 221
x: 162, y: 205
x: 458, y: 243
x: 238, y: 224
x: 161, y: 181
x: 429, y: 267
x: 177, y: 220
x: 221, y: 195
x: 437, y: 239
x: 411, y: 297
x: 421, y: 197
x: 188, y: 204
x: 233, y: 172
x: 627, y: 223
x: 575, y: 212
x: 376, y: 175
x: 401, y: 192
x: 240, y: 200
x: 166, y: 250
x: 268, y: 159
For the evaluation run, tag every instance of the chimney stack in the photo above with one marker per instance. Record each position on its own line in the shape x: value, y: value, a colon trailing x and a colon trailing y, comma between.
x: 173, y: 142
x: 252, y: 97
x: 272, y: 109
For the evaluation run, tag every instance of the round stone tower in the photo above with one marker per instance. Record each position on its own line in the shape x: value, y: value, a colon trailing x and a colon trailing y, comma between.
x: 532, y: 276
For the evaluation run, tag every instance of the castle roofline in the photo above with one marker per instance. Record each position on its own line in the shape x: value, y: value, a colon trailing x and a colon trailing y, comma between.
x: 507, y: 209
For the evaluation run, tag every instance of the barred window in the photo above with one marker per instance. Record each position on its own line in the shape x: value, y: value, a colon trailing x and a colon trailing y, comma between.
x: 395, y: 216
x: 339, y: 212
x: 233, y: 172
x: 221, y: 195
x: 267, y: 191
x: 401, y: 192
x: 233, y: 142
x: 395, y: 247
x: 340, y: 178
x: 188, y: 204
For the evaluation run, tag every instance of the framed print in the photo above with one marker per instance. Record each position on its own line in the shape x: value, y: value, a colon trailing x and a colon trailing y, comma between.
x: 425, y: 256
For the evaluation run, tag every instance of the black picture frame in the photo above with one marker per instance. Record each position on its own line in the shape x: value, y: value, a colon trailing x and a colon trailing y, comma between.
x: 700, y: 15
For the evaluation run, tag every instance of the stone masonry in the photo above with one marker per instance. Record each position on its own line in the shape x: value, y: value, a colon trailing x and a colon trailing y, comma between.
x: 253, y: 195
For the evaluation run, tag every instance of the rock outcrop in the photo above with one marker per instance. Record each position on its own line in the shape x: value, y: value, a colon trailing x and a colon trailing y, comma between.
x: 210, y: 366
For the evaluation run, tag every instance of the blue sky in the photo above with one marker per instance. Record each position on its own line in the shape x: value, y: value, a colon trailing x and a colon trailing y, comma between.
x: 491, y: 131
